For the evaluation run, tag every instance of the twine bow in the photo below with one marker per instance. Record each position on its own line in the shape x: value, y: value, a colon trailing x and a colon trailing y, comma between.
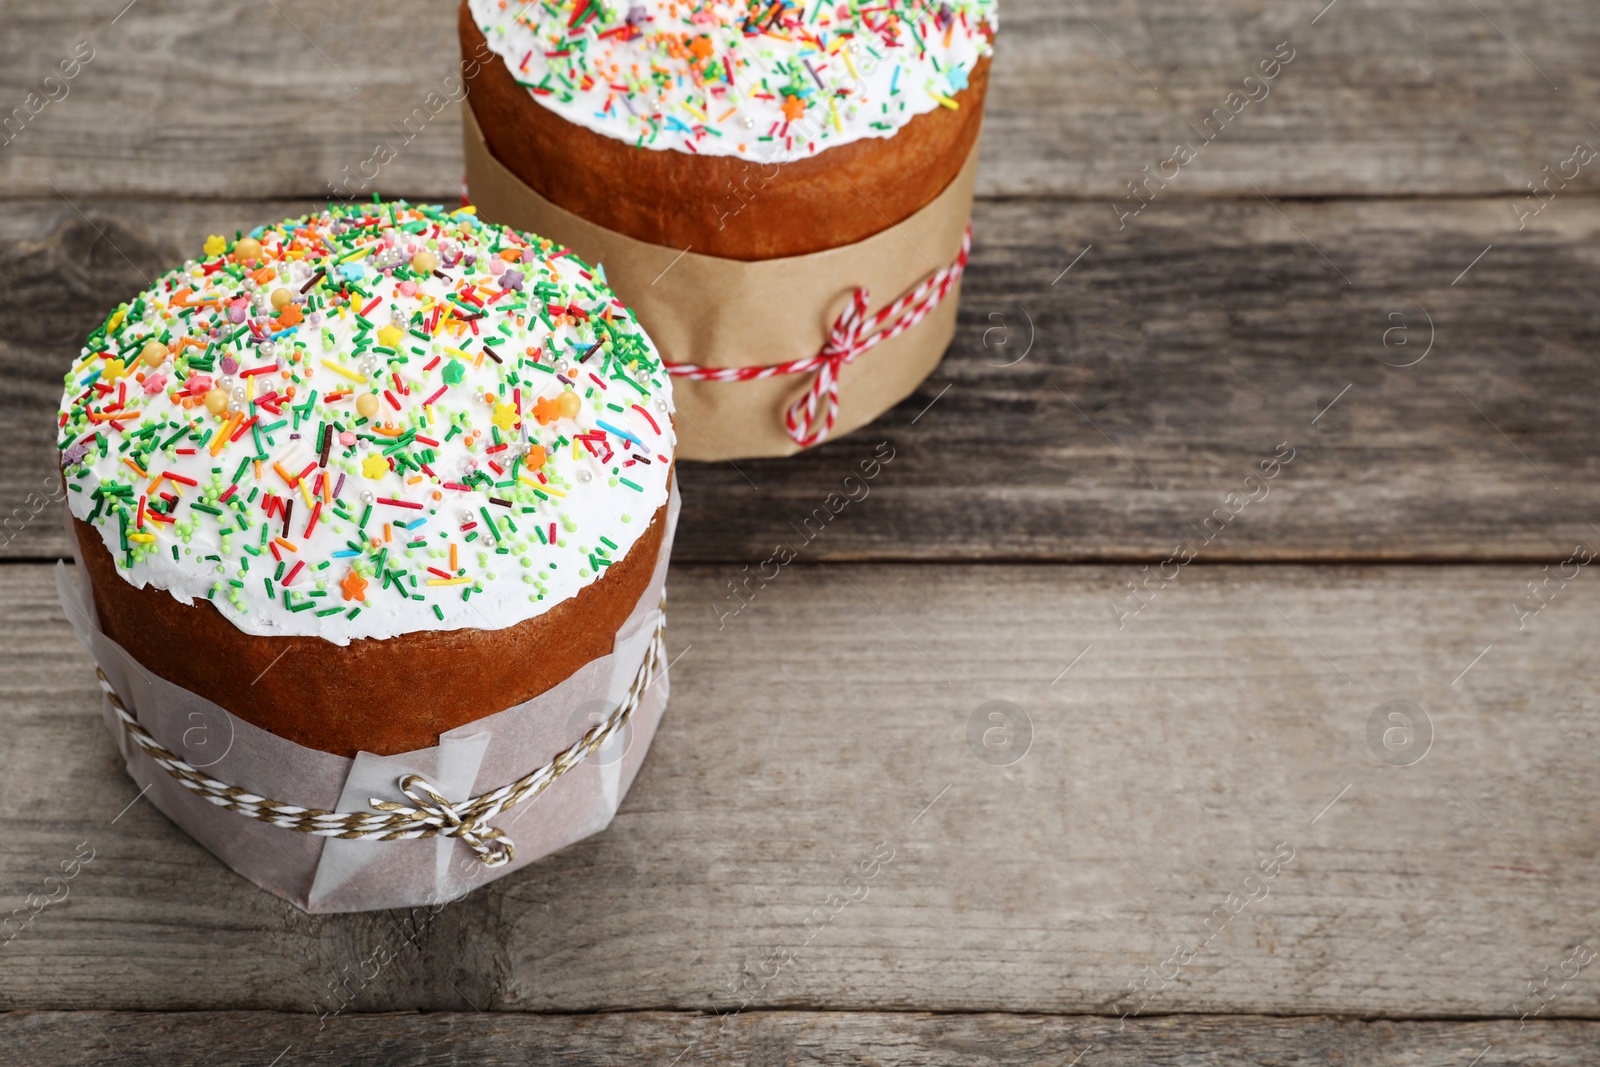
x: 493, y: 847
x: 810, y: 419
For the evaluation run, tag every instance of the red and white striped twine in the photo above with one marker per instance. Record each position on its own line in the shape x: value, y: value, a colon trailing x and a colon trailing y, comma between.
x: 853, y: 333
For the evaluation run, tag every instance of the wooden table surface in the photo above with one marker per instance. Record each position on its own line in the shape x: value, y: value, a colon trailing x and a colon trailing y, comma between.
x: 1353, y: 277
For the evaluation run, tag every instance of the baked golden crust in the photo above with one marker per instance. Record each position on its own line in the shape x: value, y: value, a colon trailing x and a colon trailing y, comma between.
x: 380, y: 696
x: 720, y: 205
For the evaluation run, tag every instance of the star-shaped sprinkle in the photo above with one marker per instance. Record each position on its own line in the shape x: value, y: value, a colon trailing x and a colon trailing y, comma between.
x: 354, y: 586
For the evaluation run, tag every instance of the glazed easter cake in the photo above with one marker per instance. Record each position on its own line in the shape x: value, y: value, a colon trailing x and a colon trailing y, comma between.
x: 366, y: 476
x: 751, y: 129
x: 761, y: 132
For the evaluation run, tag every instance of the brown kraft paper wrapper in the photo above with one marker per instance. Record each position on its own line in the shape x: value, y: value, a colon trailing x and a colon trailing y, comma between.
x: 715, y: 312
x: 325, y: 874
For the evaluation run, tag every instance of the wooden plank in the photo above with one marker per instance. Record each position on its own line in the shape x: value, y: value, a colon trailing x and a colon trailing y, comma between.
x: 1101, y: 413
x: 771, y: 1039
x: 1407, y: 97
x: 842, y: 714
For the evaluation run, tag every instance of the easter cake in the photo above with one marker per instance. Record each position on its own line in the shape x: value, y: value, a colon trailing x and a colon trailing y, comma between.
x: 369, y: 475
x: 744, y: 129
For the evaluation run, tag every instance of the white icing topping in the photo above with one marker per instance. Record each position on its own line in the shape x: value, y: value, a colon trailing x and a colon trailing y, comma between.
x: 489, y: 539
x: 766, y: 80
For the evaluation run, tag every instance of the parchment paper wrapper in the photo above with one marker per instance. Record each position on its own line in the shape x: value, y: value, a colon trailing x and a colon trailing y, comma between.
x: 716, y: 312
x: 322, y: 874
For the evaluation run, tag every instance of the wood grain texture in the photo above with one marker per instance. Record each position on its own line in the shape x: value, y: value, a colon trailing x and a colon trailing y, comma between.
x: 777, y: 1039
x: 1408, y: 97
x: 833, y: 720
x: 1099, y: 414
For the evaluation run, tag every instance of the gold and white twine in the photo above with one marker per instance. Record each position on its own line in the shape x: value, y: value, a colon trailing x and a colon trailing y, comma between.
x: 429, y: 814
